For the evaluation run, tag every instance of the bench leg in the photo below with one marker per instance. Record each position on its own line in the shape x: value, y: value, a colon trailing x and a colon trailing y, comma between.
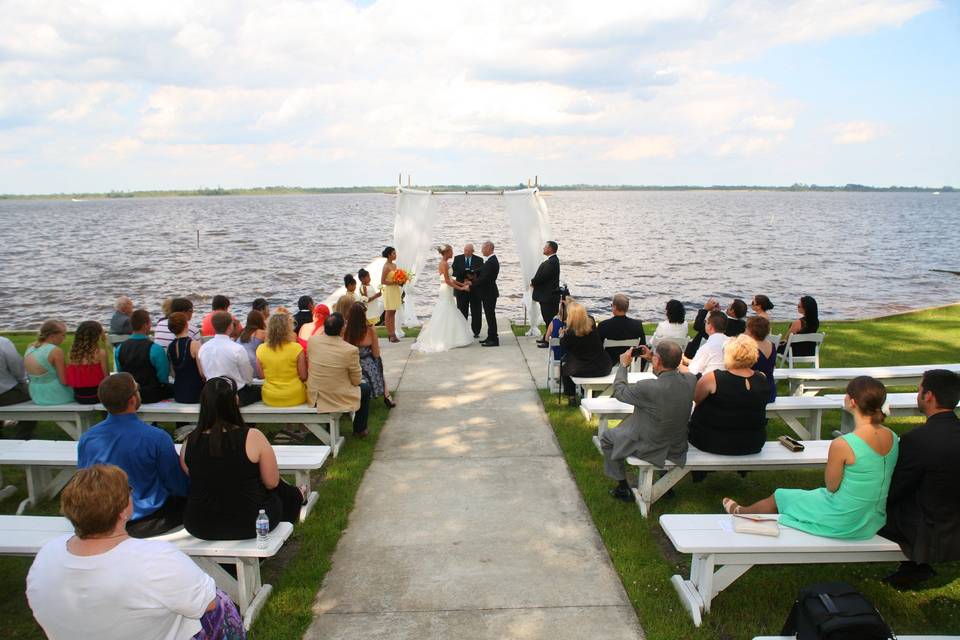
x: 302, y: 478
x: 246, y: 589
x: 329, y: 436
x: 42, y: 483
x: 648, y: 491
x: 697, y: 593
x: 8, y: 490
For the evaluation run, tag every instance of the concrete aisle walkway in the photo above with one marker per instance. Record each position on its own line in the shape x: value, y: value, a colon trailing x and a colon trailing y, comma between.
x: 468, y: 523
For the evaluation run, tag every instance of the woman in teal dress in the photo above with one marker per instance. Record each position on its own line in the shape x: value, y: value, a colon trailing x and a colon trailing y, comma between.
x: 46, y: 366
x: 860, y: 464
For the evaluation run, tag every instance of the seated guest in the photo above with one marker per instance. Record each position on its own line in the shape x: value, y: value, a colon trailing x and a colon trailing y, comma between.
x: 620, y: 327
x: 758, y: 328
x: 283, y: 364
x: 736, y: 313
x: 584, y: 350
x: 320, y: 313
x: 808, y: 322
x: 221, y: 356
x: 922, y: 513
x: 730, y: 418
x: 261, y: 305
x: 163, y: 336
x: 145, y: 452
x: 860, y: 464
x: 252, y: 336
x: 146, y: 361
x: 13, y: 385
x: 220, y: 303
x: 371, y: 297
x: 99, y: 583
x: 88, y: 361
x: 304, y: 313
x: 183, y: 352
x: 343, y: 304
x: 233, y: 472
x: 46, y: 366
x: 364, y: 337
x: 734, y: 326
x: 674, y: 328
x: 335, y: 380
x: 656, y: 431
x: 557, y: 326
x: 710, y: 355
x: 762, y: 306
x: 166, y: 307
x: 120, y: 321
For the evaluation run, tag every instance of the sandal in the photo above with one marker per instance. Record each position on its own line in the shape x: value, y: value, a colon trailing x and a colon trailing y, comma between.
x: 731, y: 507
x: 304, y: 493
x: 390, y: 402
x: 394, y: 339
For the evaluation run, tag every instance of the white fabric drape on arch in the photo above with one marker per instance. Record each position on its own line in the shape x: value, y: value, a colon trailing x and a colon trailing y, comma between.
x: 527, y: 214
x: 412, y: 231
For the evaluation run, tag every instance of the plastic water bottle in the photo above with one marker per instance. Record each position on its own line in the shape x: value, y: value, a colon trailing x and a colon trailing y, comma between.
x: 263, y: 528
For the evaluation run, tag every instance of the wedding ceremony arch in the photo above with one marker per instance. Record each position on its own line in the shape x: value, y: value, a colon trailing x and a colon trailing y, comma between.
x: 416, y: 214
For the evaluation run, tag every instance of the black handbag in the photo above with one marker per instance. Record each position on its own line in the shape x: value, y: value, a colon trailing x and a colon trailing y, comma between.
x: 835, y: 611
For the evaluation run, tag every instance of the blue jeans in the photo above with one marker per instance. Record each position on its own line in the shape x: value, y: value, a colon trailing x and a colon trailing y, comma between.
x: 361, y: 415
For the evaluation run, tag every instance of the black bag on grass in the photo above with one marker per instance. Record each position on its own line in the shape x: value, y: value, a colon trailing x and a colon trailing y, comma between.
x: 835, y: 611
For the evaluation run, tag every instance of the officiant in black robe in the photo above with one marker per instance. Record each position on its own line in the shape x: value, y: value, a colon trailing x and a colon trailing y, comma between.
x: 465, y: 267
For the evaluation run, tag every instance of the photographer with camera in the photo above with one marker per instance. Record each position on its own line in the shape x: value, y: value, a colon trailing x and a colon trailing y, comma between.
x: 584, y: 350
x: 546, y: 287
x: 656, y: 431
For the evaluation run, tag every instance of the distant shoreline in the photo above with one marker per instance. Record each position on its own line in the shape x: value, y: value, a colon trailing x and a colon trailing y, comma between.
x: 280, y: 190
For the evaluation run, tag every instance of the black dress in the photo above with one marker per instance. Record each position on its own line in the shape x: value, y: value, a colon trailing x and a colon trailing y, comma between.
x: 584, y: 357
x: 732, y: 421
x: 226, y: 492
x: 187, y: 381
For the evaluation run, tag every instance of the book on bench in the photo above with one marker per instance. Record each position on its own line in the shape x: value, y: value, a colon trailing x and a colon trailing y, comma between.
x: 757, y: 524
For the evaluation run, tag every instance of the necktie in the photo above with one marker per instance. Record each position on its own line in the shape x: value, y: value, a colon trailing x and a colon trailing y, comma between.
x: 468, y: 262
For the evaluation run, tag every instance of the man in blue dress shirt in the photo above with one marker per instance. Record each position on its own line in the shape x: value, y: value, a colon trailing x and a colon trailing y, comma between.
x: 157, y: 482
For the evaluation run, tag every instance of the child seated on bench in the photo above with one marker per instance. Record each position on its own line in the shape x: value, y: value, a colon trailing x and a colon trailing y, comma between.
x: 860, y: 465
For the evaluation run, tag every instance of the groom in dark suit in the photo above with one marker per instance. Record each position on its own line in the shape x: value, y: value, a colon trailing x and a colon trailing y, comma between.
x: 465, y: 267
x: 546, y: 287
x: 485, y: 284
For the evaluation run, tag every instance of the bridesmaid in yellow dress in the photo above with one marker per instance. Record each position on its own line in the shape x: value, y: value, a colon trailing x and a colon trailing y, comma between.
x: 283, y: 363
x: 391, y: 293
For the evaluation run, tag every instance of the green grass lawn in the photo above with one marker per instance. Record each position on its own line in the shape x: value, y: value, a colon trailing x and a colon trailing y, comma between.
x: 758, y: 602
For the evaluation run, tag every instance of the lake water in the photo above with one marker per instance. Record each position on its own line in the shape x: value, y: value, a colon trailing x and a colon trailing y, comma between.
x: 859, y: 254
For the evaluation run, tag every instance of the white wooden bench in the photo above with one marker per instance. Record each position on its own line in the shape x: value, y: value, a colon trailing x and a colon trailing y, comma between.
x: 326, y: 426
x: 803, y: 414
x: 811, y: 381
x: 73, y: 418
x: 49, y: 465
x: 25, y: 535
x: 899, y: 637
x: 773, y: 456
x: 603, y: 385
x: 901, y: 404
x: 720, y: 555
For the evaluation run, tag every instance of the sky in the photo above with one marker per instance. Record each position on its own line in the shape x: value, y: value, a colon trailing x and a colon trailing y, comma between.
x: 106, y: 95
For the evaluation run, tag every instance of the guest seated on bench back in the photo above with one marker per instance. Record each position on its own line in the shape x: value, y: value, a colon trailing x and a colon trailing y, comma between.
x: 145, y: 360
x: 13, y: 384
x: 144, y: 452
x: 923, y: 508
x: 233, y: 472
x: 120, y: 320
x: 656, y: 431
x: 674, y: 328
x: 808, y: 322
x: 734, y: 326
x: 283, y: 363
x: 758, y: 328
x: 620, y: 327
x: 304, y: 313
x: 183, y: 352
x: 709, y: 356
x: 47, y: 367
x: 584, y: 349
x: 162, y: 334
x: 730, y: 418
x: 221, y: 356
x: 335, y: 381
x: 860, y: 464
x: 99, y: 583
x: 88, y: 361
x: 218, y: 304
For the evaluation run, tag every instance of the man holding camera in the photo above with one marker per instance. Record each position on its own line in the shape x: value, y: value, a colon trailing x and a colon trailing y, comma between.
x: 465, y: 267
x: 656, y: 431
x: 546, y: 287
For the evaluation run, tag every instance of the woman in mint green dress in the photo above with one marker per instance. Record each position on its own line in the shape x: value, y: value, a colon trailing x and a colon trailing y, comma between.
x: 46, y: 366
x: 860, y: 464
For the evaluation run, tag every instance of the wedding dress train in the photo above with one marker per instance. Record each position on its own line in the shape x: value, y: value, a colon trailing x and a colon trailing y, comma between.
x: 447, y: 328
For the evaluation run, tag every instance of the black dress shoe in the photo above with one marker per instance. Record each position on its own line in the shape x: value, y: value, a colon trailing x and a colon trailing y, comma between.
x: 910, y: 575
x: 624, y: 495
x: 542, y: 345
x: 488, y: 343
x: 476, y: 335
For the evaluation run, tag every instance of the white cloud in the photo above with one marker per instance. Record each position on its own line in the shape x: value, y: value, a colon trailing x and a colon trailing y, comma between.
x: 855, y: 132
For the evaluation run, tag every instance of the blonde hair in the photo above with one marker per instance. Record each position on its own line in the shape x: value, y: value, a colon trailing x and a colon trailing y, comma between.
x: 343, y: 304
x: 577, y: 319
x: 443, y: 248
x: 279, y: 330
x: 49, y: 328
x: 740, y: 352
x: 94, y: 499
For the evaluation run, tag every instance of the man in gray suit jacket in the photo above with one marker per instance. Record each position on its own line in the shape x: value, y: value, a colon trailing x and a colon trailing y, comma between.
x: 657, y: 429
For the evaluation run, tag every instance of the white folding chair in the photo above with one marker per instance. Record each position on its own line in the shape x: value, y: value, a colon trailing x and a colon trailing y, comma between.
x: 802, y: 338
x: 637, y: 364
x: 775, y: 339
x: 553, y: 366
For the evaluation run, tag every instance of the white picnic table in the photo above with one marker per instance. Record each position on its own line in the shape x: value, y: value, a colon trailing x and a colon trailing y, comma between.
x: 49, y: 465
x: 811, y: 381
x: 25, y: 535
x: 721, y: 555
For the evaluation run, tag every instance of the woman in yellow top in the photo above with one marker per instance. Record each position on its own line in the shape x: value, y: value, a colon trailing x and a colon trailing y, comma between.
x: 391, y: 293
x: 283, y: 363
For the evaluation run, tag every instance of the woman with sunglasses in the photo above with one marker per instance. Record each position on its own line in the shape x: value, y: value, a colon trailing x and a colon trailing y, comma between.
x: 233, y: 472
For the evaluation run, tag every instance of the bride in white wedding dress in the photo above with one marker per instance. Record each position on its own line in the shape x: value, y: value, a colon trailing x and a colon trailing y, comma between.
x: 447, y: 328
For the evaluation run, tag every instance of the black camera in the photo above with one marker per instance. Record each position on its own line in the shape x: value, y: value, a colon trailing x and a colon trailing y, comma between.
x: 636, y: 352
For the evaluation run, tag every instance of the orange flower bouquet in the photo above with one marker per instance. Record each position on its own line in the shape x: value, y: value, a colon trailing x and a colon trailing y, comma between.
x: 401, y: 277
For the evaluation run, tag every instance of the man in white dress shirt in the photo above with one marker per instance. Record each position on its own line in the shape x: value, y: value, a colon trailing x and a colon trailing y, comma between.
x: 221, y: 356
x: 709, y: 356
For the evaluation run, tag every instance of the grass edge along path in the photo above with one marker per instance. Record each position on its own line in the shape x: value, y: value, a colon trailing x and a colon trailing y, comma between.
x: 758, y: 603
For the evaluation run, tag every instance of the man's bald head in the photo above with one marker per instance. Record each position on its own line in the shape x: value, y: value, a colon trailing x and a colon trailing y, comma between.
x: 669, y: 354
x: 468, y: 249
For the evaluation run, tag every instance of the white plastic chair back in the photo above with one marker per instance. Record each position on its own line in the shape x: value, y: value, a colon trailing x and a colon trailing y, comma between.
x: 775, y: 339
x: 116, y: 338
x: 553, y: 366
x: 801, y: 338
x: 637, y: 364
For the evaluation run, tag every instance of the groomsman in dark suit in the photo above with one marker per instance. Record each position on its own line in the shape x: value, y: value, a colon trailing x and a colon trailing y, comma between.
x: 465, y: 267
x: 485, y: 284
x: 546, y: 287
